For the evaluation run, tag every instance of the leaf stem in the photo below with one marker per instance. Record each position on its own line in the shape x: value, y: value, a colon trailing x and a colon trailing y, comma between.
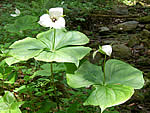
x: 104, y: 70
x: 53, y: 47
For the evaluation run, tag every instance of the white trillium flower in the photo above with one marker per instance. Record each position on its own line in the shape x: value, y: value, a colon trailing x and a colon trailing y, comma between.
x: 17, y: 11
x: 107, y: 49
x: 54, y: 19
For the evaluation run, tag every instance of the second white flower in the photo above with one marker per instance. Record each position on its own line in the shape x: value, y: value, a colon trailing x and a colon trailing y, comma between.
x: 107, y: 49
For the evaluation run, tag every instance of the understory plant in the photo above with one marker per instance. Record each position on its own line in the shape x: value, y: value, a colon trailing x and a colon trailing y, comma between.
x: 113, y: 83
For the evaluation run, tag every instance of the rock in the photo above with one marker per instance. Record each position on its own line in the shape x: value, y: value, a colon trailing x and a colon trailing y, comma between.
x: 104, y: 29
x: 126, y: 26
x: 87, y: 32
x: 145, y: 34
x: 111, y: 35
x: 145, y: 19
x: 147, y: 26
x: 148, y: 52
x: 120, y: 10
x: 133, y: 40
x: 141, y: 25
x: 143, y: 61
x: 122, y: 51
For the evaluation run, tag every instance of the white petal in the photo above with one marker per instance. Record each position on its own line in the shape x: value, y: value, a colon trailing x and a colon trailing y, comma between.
x: 60, y: 23
x: 56, y: 12
x: 45, y: 20
x: 17, y: 11
x: 107, y: 49
x: 13, y: 15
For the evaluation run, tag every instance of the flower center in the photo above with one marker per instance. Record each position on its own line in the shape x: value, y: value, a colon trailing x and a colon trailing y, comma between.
x: 54, y: 19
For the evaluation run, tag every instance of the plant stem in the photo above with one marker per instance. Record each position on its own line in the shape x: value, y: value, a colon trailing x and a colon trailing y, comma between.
x: 52, y: 74
x: 104, y: 70
x: 53, y: 82
x: 53, y: 47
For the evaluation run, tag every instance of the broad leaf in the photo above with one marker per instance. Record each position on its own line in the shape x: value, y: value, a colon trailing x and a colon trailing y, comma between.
x: 62, y: 38
x: 87, y: 74
x: 114, y: 90
x: 26, y: 48
x: 65, y: 48
x: 109, y: 95
x: 8, y: 103
x: 11, y: 60
x: 67, y: 54
x: 8, y: 97
x: 118, y: 72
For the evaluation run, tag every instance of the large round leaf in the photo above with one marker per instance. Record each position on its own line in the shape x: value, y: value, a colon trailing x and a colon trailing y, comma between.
x: 118, y: 72
x: 114, y: 90
x: 109, y: 95
x: 26, y: 48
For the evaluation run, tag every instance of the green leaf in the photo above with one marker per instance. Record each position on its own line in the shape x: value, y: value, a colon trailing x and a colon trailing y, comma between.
x: 8, y: 103
x: 62, y: 38
x: 66, y: 47
x: 11, y: 60
x: 46, y: 69
x: 57, y: 67
x: 118, y: 72
x: 46, y: 106
x: 73, y: 108
x: 16, y: 105
x: 9, y: 97
x: 27, y: 22
x: 109, y: 95
x: 16, y: 111
x: 87, y: 74
x: 26, y: 48
x: 3, y: 106
x: 12, y: 28
x: 118, y: 86
x: 12, y: 77
x: 20, y: 89
x: 67, y: 54
x: 23, y: 23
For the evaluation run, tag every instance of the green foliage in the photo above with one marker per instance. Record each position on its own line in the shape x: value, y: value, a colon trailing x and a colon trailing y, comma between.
x: 114, y: 86
x: 9, y: 104
x: 45, y: 49
x: 23, y: 23
x: 8, y: 74
x: 118, y: 72
x: 57, y: 68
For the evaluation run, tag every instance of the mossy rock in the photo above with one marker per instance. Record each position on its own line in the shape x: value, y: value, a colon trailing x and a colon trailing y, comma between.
x: 145, y: 34
x: 126, y: 26
x: 133, y: 40
x: 122, y: 51
x: 147, y: 26
x: 145, y: 19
